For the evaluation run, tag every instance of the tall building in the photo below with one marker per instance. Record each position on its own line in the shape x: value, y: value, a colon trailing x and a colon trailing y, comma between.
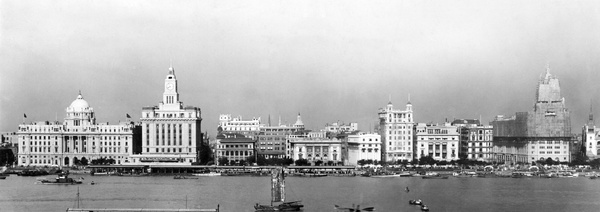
x: 536, y: 135
x: 591, y: 138
x: 396, y: 130
x: 273, y: 141
x: 314, y: 146
x: 79, y: 138
x: 171, y: 133
x: 441, y: 142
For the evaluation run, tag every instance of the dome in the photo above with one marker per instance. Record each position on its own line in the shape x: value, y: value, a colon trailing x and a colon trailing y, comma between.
x: 79, y: 104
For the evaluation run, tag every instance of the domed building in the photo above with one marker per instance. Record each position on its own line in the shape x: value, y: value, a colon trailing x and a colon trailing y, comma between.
x: 78, y: 140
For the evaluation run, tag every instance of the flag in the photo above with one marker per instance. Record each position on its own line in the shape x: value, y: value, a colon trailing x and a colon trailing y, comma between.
x: 24, y: 115
x: 128, y: 116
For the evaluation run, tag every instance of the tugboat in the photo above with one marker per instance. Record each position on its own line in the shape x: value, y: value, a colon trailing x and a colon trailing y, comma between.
x: 62, y: 179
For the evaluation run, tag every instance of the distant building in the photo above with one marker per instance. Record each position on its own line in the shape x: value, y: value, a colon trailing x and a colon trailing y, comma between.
x: 364, y: 146
x: 314, y: 146
x: 396, y: 130
x: 341, y: 128
x: 171, y: 133
x: 591, y: 138
x: 441, y: 142
x: 475, y: 139
x: 536, y: 135
x: 233, y: 146
x: 248, y: 128
x: 78, y: 138
x: 273, y: 140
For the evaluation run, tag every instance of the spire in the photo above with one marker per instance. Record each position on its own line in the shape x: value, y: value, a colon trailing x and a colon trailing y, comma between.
x: 269, y: 120
x: 390, y: 100
x: 299, y: 122
x: 279, y: 121
x: 408, y: 99
x: 171, y: 70
x: 591, y: 117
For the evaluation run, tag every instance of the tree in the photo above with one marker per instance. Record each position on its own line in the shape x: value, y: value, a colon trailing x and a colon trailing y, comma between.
x: 549, y: 161
x: 330, y: 163
x: 301, y: 162
x: 76, y: 161
x: 362, y: 162
x: 427, y: 160
x: 223, y: 161
x: 318, y: 163
x: 84, y: 161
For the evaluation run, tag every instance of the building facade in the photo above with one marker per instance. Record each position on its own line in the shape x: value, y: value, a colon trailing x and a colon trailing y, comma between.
x: 315, y: 146
x: 171, y: 133
x: 363, y: 146
x: 249, y: 128
x: 536, y: 135
x: 441, y: 142
x: 79, y: 138
x: 233, y: 146
x: 341, y: 128
x: 475, y: 139
x: 273, y: 140
x: 591, y: 138
x: 396, y: 130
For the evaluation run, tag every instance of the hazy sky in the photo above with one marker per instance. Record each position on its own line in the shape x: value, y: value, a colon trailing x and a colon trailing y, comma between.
x: 328, y: 60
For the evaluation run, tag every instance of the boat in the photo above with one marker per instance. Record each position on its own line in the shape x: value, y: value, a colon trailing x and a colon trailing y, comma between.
x: 3, y: 177
x: 278, y: 195
x: 181, y: 177
x: 386, y: 175
x: 308, y: 175
x: 424, y: 208
x: 435, y: 176
x: 353, y: 208
x: 405, y: 174
x: 207, y: 174
x: 28, y: 172
x: 62, y: 179
x: 593, y: 177
x: 415, y: 202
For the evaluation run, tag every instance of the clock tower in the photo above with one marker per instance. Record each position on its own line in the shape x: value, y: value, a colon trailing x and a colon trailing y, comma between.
x: 170, y: 96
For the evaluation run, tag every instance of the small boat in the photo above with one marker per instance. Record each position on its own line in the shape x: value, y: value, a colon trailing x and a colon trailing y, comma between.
x: 207, y: 174
x: 181, y: 177
x: 62, y: 179
x: 405, y: 174
x: 278, y: 195
x: 415, y: 202
x: 308, y: 175
x: 353, y: 208
x: 386, y: 175
x: 593, y: 177
x: 2, y: 177
x: 92, y: 183
x: 436, y: 176
x: 424, y: 208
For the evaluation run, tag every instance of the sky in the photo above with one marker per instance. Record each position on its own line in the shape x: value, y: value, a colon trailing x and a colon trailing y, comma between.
x: 330, y: 61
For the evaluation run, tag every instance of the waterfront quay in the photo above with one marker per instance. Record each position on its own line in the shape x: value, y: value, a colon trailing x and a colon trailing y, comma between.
x: 161, y: 169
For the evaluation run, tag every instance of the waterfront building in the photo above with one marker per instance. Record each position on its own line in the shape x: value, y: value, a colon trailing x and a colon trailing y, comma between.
x: 314, y: 147
x: 363, y: 146
x: 441, y: 142
x: 249, y: 128
x: 77, y: 139
x: 536, y: 135
x: 396, y: 130
x: 272, y: 140
x: 233, y: 146
x: 171, y: 133
x: 591, y: 138
x: 475, y: 139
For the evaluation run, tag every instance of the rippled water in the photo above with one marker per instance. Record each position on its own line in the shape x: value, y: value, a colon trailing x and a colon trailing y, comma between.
x: 317, y: 194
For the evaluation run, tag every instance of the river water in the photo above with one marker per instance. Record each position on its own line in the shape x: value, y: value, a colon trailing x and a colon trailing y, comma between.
x: 239, y: 194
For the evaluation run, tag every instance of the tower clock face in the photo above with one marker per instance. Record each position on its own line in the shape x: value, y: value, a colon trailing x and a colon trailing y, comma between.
x: 170, y: 86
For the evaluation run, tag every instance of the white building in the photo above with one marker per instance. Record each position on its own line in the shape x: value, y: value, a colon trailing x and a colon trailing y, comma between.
x: 591, y: 138
x: 315, y: 147
x: 339, y: 128
x: 364, y: 146
x: 396, y: 130
x: 171, y: 133
x: 441, y: 142
x: 78, y: 138
x: 248, y: 128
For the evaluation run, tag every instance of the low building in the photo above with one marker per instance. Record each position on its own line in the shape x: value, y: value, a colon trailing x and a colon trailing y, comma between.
x: 363, y: 146
x: 235, y: 147
x: 315, y: 147
x: 441, y: 142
